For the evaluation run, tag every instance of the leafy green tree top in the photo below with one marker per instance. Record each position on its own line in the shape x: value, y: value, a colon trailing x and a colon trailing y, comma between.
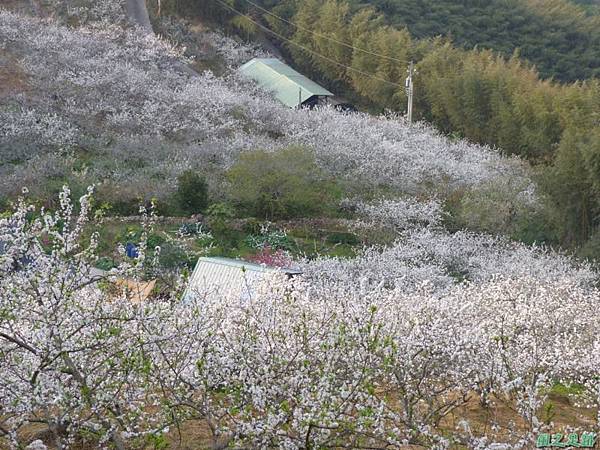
x: 287, y: 183
x: 192, y: 192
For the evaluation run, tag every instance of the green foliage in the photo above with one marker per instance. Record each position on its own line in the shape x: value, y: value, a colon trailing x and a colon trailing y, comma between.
x: 497, y: 208
x: 220, y: 211
x: 395, y: 45
x: 158, y: 441
x: 536, y: 227
x: 490, y: 100
x: 192, y: 192
x: 284, y: 184
x: 131, y: 233
x: 4, y: 204
x: 174, y: 256
x: 549, y: 412
x: 155, y: 240
x: 553, y: 34
x: 220, y: 216
x: 591, y: 249
x: 253, y: 226
x: 274, y: 239
x: 169, y: 206
x: 567, y: 389
x: 341, y: 237
x: 591, y: 7
x: 341, y: 251
x: 571, y: 185
x: 105, y: 263
x: 125, y: 207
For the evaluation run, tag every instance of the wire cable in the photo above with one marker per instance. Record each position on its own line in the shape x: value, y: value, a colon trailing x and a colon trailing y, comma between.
x: 283, y: 38
x: 323, y: 36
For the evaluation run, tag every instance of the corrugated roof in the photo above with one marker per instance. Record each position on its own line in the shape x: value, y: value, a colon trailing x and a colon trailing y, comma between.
x: 227, y: 276
x: 279, y: 78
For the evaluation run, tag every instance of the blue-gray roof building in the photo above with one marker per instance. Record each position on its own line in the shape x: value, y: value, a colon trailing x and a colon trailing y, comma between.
x: 228, y: 276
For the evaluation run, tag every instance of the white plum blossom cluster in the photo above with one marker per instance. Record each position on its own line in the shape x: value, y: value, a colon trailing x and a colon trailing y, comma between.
x: 86, y: 12
x: 423, y: 251
x: 383, y: 367
x: 234, y: 52
x: 49, y: 128
x: 385, y: 150
x: 71, y: 357
x: 443, y: 260
x: 302, y: 363
x: 400, y: 214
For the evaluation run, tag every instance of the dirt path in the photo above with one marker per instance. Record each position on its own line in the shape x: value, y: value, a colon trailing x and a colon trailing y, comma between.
x: 138, y: 14
x: 36, y: 9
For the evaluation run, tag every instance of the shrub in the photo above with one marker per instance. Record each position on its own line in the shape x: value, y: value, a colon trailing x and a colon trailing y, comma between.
x: 118, y: 200
x: 155, y: 240
x: 128, y: 207
x: 219, y: 220
x: 105, y: 263
x: 499, y: 208
x: 220, y: 211
x: 192, y: 192
x: 274, y: 239
x: 169, y: 206
x: 591, y: 249
x: 253, y: 226
x: 132, y: 233
x: 4, y: 204
x: 285, y: 184
x: 173, y: 256
x: 343, y: 238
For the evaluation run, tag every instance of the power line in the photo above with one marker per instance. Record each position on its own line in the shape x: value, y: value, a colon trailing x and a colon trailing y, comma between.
x: 283, y: 38
x: 323, y: 36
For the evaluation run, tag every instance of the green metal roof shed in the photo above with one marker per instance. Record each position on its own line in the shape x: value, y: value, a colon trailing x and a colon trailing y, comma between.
x: 287, y: 85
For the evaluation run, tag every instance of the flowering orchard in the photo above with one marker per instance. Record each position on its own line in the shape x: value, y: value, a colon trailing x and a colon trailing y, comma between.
x: 376, y: 352
x: 343, y: 356
x: 132, y: 116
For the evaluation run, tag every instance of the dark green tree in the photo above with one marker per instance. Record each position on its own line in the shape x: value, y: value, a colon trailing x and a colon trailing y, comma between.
x: 192, y: 192
x: 283, y: 184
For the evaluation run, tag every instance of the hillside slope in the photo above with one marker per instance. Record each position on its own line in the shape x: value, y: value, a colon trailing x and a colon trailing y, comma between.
x: 120, y: 109
x: 120, y: 106
x: 591, y: 6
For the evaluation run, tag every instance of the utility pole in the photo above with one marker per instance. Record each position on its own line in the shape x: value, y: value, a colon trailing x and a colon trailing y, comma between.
x: 299, y: 98
x: 410, y: 90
